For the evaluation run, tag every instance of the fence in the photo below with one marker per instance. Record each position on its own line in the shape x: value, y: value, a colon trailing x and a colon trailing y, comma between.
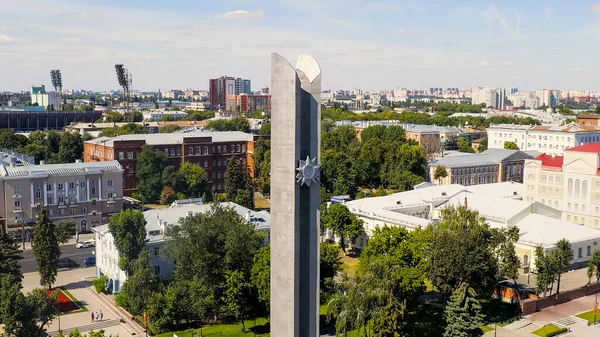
x: 530, y: 306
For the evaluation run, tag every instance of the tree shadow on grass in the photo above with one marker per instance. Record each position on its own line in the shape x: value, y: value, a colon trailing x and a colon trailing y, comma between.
x: 261, y: 329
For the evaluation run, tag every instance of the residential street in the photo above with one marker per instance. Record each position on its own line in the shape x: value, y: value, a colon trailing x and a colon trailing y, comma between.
x: 28, y: 263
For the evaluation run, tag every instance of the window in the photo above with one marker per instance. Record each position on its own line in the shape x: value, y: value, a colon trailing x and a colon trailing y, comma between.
x: 557, y: 179
x: 18, y: 217
x: 172, y: 152
x: 237, y: 148
x: 94, y: 202
x: 584, y: 189
x: 156, y: 270
x: 73, y: 211
x: 17, y: 190
x: 17, y: 203
x: 83, y: 210
x: 129, y: 155
x: 61, y: 200
x: 61, y: 187
x: 205, y: 150
x: 38, y: 194
x: 71, y: 186
x: 109, y: 183
x: 178, y: 151
x: 156, y: 251
x: 568, y: 218
x: 575, y: 219
x: 121, y: 156
x: 218, y: 149
x: 556, y: 204
x: 219, y: 163
x: 232, y: 148
x: 83, y: 184
x: 110, y: 194
x: 206, y: 163
x: 131, y: 169
x: 219, y: 175
x: 190, y: 150
x: 579, y: 252
x: 569, y: 206
x: 577, y: 188
x: 167, y: 152
x: 49, y: 187
x: 50, y: 201
x: 197, y: 149
x: 576, y: 207
x: 583, y: 208
x: 570, y: 187
x: 214, y: 163
x: 589, y: 251
x: 93, y: 190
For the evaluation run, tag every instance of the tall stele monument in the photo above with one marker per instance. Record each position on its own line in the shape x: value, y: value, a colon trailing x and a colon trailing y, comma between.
x: 295, y: 196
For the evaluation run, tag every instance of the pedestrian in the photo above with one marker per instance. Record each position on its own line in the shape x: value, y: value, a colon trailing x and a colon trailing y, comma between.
x: 101, y: 315
x: 92, y: 316
x: 97, y: 316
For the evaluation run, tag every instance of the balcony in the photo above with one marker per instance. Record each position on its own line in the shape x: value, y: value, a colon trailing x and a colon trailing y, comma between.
x: 18, y: 209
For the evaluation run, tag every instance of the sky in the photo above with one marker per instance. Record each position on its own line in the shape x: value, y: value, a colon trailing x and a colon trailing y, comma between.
x: 367, y: 44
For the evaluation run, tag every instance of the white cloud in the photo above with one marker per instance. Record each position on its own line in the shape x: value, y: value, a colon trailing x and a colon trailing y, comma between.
x: 507, y: 63
x: 596, y: 8
x: 7, y: 39
x: 71, y: 39
x: 576, y: 69
x: 81, y: 15
x: 484, y: 63
x: 401, y: 31
x: 240, y: 14
x: 492, y: 15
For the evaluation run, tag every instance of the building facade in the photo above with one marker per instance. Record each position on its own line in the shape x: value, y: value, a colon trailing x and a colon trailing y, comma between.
x: 158, y: 221
x: 543, y: 138
x: 220, y: 88
x: 248, y: 103
x: 569, y: 183
x: 209, y: 150
x: 490, y: 166
x: 589, y: 119
x: 87, y: 193
x: 45, y: 99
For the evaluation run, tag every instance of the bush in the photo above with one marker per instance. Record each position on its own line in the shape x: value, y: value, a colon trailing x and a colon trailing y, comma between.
x: 550, y: 330
x: 100, y: 284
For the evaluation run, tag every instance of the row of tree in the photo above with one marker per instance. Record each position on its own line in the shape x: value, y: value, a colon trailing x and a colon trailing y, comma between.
x: 50, y: 146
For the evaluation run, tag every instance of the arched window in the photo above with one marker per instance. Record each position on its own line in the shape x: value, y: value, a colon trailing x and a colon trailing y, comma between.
x: 525, y: 260
x: 570, y: 187
x: 577, y: 188
x: 584, y: 189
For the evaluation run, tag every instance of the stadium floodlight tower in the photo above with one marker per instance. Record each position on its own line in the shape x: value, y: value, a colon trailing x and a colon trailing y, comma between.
x: 56, y: 78
x: 125, y: 81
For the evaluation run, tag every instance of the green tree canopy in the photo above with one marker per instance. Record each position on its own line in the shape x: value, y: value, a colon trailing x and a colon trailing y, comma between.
x: 129, y: 231
x: 149, y: 169
x: 511, y: 146
x: 139, y: 288
x: 343, y: 224
x: 10, y: 257
x: 45, y: 249
x: 169, y: 128
x: 195, y: 180
x: 65, y: 230
x: 562, y: 256
x: 238, y: 184
x: 234, y: 124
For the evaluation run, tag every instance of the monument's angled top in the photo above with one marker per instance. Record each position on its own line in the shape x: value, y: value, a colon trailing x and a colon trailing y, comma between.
x: 309, y: 66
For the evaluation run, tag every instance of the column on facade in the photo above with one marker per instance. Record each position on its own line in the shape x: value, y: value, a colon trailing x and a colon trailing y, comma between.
x: 32, y: 195
x: 45, y: 192
x: 67, y: 199
x: 55, y: 198
x: 77, y: 189
x: 100, y: 188
x: 87, y: 188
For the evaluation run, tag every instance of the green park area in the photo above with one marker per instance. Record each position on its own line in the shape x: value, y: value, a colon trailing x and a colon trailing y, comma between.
x: 549, y: 331
x: 589, y: 316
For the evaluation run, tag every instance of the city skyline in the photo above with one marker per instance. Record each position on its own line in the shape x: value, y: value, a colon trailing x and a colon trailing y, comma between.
x: 376, y: 45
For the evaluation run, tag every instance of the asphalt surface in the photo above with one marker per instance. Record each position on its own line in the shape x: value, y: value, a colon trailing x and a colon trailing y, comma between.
x: 28, y: 263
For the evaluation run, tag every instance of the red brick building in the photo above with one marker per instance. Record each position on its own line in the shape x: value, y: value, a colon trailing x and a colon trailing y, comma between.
x: 209, y: 150
x: 248, y: 103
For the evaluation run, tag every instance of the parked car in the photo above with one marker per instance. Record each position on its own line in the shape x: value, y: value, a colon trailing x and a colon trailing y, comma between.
x: 90, y: 261
x: 66, y: 262
x: 86, y: 244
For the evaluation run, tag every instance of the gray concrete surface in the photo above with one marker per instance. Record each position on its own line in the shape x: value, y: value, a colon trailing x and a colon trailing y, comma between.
x: 28, y: 263
x: 295, y: 135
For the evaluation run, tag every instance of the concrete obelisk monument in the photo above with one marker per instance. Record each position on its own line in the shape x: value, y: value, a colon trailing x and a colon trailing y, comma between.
x: 295, y: 196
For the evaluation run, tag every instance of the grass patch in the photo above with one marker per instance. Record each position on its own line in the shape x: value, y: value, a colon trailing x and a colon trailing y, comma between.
x: 227, y: 330
x: 549, y: 331
x: 260, y: 202
x: 350, y: 263
x: 589, y: 316
x: 486, y: 328
x: 156, y: 206
x: 74, y: 299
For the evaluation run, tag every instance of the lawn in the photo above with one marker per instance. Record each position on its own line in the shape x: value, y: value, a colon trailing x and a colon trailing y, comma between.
x: 589, y: 316
x: 350, y: 263
x: 486, y: 328
x: 549, y: 330
x: 226, y: 330
x: 260, y: 202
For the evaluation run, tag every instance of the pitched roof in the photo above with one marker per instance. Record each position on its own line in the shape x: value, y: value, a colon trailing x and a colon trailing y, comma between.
x: 588, y: 116
x: 487, y: 157
x: 175, y: 138
x: 551, y: 162
x: 60, y: 169
x: 589, y: 147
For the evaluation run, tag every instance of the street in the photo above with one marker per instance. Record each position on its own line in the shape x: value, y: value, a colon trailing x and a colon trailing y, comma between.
x: 28, y: 263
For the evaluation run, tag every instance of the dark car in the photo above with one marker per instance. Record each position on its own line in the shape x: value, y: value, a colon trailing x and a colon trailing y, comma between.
x: 66, y: 262
x: 90, y: 261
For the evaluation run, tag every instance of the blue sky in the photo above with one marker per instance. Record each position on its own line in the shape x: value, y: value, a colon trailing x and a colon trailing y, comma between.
x: 369, y: 44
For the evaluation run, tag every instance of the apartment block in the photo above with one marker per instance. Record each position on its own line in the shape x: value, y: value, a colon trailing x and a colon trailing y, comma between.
x: 248, y: 103
x: 220, y: 88
x: 209, y: 150
x: 550, y: 139
x: 569, y: 183
x: 87, y: 193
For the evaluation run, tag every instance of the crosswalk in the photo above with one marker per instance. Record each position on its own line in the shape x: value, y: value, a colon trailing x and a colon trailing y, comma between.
x: 566, y: 321
x: 94, y: 326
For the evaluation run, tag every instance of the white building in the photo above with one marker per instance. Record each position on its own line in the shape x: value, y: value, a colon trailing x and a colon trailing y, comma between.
x: 570, y: 183
x: 45, y: 99
x: 500, y: 204
x: 551, y: 139
x: 548, y: 98
x: 158, y: 221
x: 492, y: 97
x: 154, y: 115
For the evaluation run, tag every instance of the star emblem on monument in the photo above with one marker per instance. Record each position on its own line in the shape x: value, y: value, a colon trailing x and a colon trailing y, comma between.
x: 308, y: 171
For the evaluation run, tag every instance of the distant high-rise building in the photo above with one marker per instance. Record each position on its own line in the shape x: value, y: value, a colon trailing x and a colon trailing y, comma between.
x: 46, y: 99
x: 548, y: 98
x: 514, y: 90
x: 492, y: 97
x: 220, y: 88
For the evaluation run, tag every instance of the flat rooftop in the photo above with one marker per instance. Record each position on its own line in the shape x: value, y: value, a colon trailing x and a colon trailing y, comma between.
x: 175, y: 138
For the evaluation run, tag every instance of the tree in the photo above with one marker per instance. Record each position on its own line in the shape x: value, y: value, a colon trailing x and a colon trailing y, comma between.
x: 111, y: 116
x: 65, y: 230
x: 440, y: 173
x: 544, y: 270
x: 483, y: 145
x: 195, y: 180
x: 464, y: 145
x: 236, y: 296
x: 76, y: 333
x: 234, y: 124
x: 149, y: 169
x: 593, y: 266
x: 463, y: 314
x: 507, y: 256
x: 10, y: 255
x: 167, y: 196
x: 45, y: 249
x: 261, y: 274
x: 139, y: 288
x: 70, y: 147
x: 169, y: 128
x: 461, y: 250
x: 129, y: 231
x: 430, y: 146
x: 330, y: 264
x: 562, y: 256
x: 511, y: 146
x: 389, y: 322
x: 238, y: 184
x: 343, y: 224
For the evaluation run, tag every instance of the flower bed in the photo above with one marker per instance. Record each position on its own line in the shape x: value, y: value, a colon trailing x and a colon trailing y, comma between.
x: 65, y: 303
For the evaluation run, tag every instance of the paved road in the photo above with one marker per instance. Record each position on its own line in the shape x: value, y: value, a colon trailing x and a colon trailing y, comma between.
x: 28, y: 263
